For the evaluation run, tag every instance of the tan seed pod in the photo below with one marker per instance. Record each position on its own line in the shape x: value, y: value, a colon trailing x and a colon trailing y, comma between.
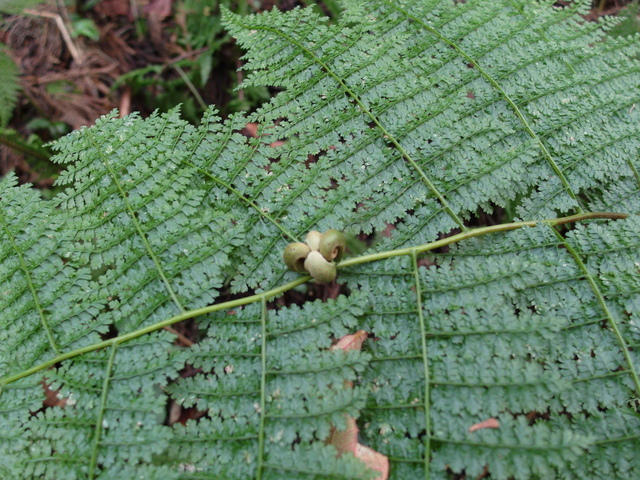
x: 294, y: 256
x: 332, y: 245
x: 319, y: 268
x: 313, y: 239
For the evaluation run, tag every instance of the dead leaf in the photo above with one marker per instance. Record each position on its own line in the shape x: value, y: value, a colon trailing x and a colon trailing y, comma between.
x: 251, y: 129
x: 489, y: 423
x: 114, y: 8
x: 346, y: 441
x: 350, y: 342
x: 52, y: 399
x: 374, y: 460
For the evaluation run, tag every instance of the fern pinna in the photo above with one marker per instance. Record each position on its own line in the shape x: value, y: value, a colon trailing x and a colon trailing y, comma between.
x: 419, y: 114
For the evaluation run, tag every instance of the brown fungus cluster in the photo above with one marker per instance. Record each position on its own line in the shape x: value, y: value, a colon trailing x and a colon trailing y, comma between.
x: 318, y: 255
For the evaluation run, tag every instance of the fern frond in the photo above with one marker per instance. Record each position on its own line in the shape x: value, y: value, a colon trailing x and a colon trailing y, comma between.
x: 17, y: 6
x: 9, y: 87
x: 414, y: 113
x: 270, y: 383
x: 112, y: 421
x: 430, y: 110
x: 514, y: 329
x: 139, y: 218
x: 44, y: 303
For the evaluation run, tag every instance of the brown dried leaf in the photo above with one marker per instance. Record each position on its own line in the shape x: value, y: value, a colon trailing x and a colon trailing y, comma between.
x: 374, y: 460
x: 51, y: 397
x: 351, y: 342
x: 346, y: 441
x: 114, y: 8
x: 489, y: 423
x: 251, y: 130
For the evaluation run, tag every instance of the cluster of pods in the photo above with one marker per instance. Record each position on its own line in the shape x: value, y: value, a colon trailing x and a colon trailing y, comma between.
x: 318, y: 255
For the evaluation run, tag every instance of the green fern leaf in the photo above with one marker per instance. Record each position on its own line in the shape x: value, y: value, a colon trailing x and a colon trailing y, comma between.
x: 450, y: 125
x: 131, y: 177
x: 44, y: 303
x: 415, y: 113
x: 112, y: 422
x: 9, y: 87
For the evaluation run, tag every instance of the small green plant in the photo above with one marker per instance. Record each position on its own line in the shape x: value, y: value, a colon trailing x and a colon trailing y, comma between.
x: 512, y: 353
x: 209, y: 51
x: 629, y: 22
x: 9, y: 87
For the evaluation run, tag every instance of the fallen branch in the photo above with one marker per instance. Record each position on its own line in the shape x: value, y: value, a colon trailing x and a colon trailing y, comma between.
x: 75, y: 52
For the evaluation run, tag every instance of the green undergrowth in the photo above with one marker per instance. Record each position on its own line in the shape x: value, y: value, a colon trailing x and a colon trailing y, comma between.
x: 416, y: 115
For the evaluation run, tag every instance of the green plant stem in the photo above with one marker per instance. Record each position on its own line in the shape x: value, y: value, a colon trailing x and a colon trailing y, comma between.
x: 152, y: 328
x: 476, y: 232
x: 134, y: 219
x: 21, y: 146
x: 263, y: 387
x: 262, y: 297
x: 93, y: 462
x: 27, y: 275
x: 425, y: 363
x: 190, y: 86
